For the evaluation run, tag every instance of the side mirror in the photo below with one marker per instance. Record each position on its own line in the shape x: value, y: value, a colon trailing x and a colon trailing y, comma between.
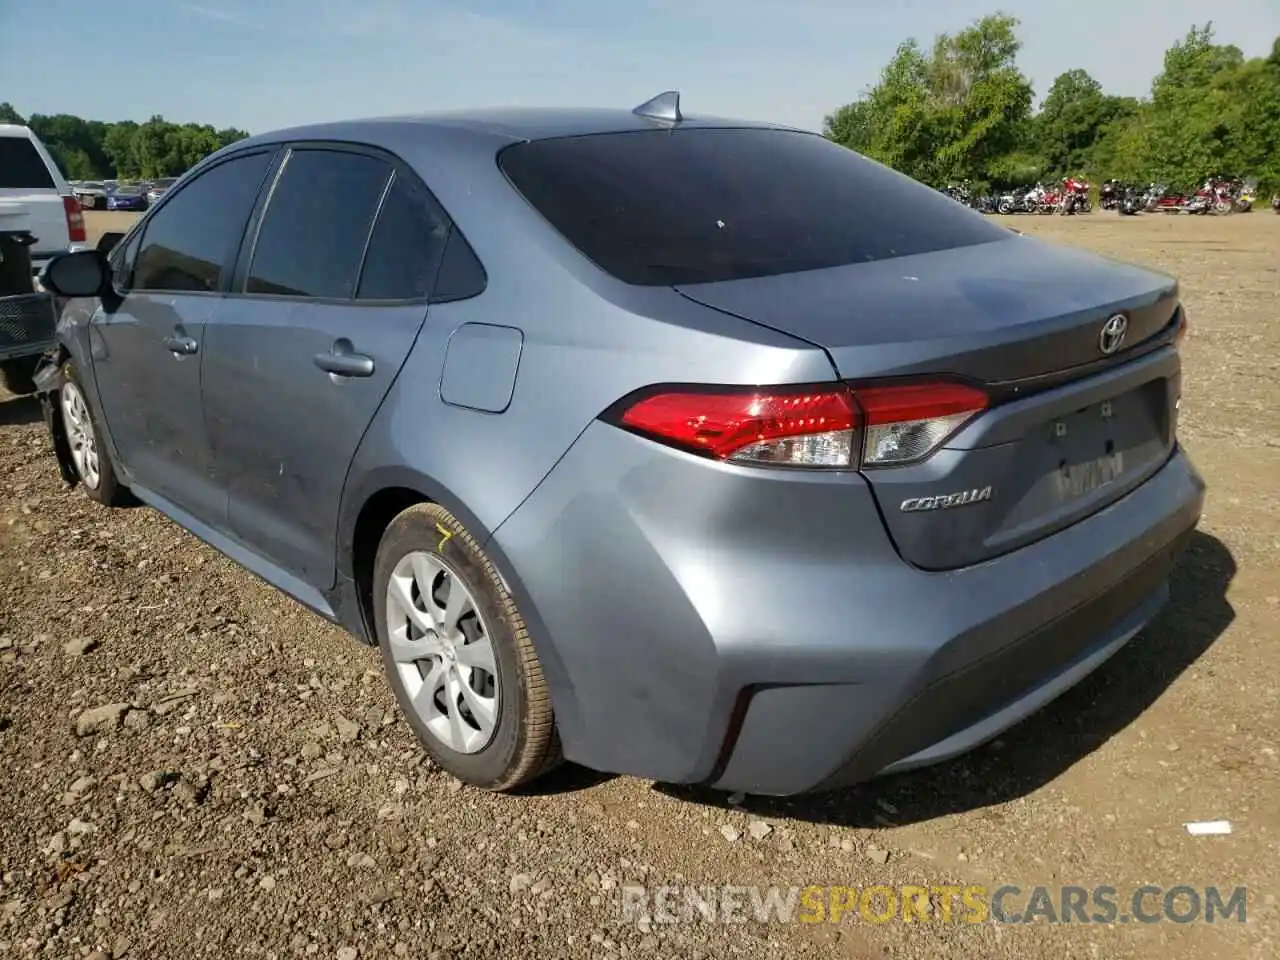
x: 107, y: 242
x: 80, y: 274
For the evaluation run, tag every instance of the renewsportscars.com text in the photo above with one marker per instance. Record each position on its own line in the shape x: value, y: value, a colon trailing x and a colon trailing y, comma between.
x: 933, y: 904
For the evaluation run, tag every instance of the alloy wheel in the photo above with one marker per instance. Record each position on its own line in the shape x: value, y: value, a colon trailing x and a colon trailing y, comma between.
x: 80, y: 435
x: 442, y: 651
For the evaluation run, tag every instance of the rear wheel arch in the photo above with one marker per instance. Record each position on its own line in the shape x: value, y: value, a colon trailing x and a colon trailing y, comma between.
x: 377, y: 501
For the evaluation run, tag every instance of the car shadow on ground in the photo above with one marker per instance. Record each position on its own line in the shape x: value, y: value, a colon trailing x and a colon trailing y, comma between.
x: 1049, y: 742
x: 17, y: 411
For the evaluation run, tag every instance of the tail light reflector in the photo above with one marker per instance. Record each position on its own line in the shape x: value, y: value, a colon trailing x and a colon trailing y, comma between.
x: 75, y: 220
x: 831, y: 426
x: 906, y: 423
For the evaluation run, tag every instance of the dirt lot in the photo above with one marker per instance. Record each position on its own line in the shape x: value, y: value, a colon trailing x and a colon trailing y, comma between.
x: 262, y: 798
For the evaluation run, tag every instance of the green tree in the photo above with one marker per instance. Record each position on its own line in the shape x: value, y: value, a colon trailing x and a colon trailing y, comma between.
x: 93, y: 149
x: 1191, y: 108
x: 947, y: 115
x: 1073, y: 118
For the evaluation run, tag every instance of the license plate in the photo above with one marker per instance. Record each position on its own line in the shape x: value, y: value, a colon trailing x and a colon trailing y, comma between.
x: 1079, y: 479
x: 1092, y: 459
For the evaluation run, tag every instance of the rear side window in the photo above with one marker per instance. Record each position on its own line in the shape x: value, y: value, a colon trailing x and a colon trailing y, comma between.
x: 317, y: 223
x: 188, y: 244
x: 659, y: 207
x: 405, y: 247
x: 21, y: 166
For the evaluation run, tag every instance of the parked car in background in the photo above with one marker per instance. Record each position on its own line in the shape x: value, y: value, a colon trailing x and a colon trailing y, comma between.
x: 624, y: 448
x: 39, y: 218
x: 159, y: 187
x: 127, y: 197
x: 92, y: 194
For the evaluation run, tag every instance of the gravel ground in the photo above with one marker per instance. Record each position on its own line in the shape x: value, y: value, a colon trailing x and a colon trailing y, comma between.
x: 198, y: 767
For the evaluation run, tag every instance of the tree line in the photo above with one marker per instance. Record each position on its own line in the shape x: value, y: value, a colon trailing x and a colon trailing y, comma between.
x: 96, y: 150
x: 962, y: 110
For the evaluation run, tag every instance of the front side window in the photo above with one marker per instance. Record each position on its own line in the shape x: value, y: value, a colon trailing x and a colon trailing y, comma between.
x: 189, y: 243
x: 316, y: 225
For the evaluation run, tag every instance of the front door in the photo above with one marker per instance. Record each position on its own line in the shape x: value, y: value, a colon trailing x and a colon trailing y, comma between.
x: 298, y: 363
x: 147, y: 347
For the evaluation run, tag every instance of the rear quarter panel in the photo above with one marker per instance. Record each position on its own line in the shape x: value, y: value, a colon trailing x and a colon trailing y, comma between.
x: 587, y: 341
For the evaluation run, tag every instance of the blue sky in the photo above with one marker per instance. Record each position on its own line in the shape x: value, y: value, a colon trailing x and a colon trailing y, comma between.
x: 260, y: 64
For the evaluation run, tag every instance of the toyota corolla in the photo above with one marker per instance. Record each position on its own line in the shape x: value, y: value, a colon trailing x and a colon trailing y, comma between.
x: 701, y: 450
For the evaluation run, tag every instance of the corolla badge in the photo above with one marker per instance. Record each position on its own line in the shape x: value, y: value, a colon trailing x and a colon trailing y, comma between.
x: 946, y: 500
x: 1112, y: 334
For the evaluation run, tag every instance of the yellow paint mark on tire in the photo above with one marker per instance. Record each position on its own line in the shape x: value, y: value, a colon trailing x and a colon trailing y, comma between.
x: 445, y: 536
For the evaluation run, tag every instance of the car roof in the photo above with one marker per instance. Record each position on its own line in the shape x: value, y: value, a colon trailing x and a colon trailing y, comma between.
x: 511, y: 124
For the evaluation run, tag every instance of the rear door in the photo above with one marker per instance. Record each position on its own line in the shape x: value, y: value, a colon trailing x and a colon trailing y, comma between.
x: 146, y: 349
x: 31, y: 191
x: 331, y: 296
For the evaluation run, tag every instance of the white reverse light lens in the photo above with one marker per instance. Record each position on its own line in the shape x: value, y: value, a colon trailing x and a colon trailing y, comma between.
x: 897, y: 443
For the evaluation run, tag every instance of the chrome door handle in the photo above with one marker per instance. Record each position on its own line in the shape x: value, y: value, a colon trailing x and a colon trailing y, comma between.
x: 181, y: 346
x: 343, y: 361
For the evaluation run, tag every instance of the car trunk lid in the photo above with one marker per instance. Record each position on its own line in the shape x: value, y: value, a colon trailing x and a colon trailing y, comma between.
x: 1071, y: 428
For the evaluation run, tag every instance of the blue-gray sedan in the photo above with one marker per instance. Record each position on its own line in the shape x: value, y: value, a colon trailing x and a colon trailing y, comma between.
x: 701, y: 450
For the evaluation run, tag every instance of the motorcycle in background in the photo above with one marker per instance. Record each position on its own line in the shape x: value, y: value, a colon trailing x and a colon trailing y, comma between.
x: 1075, y: 197
x: 1012, y: 202
x: 959, y: 192
x: 1051, y: 200
x: 1221, y: 193
x: 1110, y: 194
x: 1159, y: 199
x: 1247, y: 195
x: 1130, y: 200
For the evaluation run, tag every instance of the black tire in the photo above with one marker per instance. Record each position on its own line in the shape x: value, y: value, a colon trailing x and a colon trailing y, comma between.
x: 107, y: 490
x: 524, y: 743
x: 17, y: 376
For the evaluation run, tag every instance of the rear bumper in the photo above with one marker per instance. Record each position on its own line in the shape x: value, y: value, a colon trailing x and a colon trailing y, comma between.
x: 755, y: 630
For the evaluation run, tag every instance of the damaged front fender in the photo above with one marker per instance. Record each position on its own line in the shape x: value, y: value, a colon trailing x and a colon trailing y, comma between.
x: 49, y: 377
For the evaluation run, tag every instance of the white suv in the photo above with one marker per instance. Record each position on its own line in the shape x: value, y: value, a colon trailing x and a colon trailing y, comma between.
x: 35, y: 197
x: 39, y: 218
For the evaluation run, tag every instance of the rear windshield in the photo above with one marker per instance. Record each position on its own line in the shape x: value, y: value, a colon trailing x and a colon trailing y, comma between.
x: 21, y: 166
x: 659, y: 207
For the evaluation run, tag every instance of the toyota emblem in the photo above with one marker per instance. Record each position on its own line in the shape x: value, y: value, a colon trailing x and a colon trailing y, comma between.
x: 1112, y: 335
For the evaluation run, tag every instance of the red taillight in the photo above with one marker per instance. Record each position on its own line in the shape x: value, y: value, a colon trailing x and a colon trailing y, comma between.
x: 809, y: 426
x: 831, y: 425
x: 75, y: 219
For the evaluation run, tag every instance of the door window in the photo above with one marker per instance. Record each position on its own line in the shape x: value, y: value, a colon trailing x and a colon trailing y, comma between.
x: 189, y: 244
x: 316, y: 226
x: 405, y: 247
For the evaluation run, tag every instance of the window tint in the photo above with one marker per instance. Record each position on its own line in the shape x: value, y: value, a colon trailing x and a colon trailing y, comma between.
x: 317, y: 223
x: 187, y: 243
x: 405, y: 247
x: 461, y: 274
x: 696, y: 205
x: 122, y: 260
x: 22, y: 166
